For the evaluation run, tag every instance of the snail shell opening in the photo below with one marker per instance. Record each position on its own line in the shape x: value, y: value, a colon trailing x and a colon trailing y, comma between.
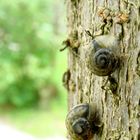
x: 81, y: 126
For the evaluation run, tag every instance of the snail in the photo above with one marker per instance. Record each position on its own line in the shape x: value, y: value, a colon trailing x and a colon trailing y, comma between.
x: 103, y: 55
x: 80, y: 122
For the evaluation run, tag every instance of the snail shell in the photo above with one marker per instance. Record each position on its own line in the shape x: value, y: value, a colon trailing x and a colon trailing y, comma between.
x: 79, y: 122
x: 103, y: 56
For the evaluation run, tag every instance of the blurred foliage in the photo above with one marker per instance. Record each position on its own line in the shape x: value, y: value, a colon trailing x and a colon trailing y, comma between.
x: 37, y: 122
x: 30, y: 64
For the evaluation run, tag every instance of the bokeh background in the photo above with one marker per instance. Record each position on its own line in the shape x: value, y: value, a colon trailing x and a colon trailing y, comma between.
x: 32, y: 97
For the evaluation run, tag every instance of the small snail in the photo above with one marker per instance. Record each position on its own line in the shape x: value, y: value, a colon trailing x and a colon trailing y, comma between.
x: 66, y: 78
x: 80, y: 122
x: 103, y: 55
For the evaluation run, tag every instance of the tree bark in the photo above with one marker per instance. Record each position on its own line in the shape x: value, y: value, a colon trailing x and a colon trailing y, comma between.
x: 119, y: 109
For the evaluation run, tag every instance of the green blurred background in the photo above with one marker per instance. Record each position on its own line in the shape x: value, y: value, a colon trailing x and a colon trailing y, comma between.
x: 32, y: 97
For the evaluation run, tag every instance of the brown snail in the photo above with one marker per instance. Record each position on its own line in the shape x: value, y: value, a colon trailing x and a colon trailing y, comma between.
x: 80, y: 122
x: 103, y: 55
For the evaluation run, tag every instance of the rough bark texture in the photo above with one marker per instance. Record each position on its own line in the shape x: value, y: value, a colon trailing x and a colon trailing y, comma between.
x: 120, y: 109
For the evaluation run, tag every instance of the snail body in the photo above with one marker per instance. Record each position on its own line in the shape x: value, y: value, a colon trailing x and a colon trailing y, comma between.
x: 103, y: 56
x: 80, y: 121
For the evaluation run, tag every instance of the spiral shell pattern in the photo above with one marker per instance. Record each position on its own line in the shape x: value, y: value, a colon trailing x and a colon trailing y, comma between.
x: 104, y: 62
x: 78, y: 123
x: 103, y: 55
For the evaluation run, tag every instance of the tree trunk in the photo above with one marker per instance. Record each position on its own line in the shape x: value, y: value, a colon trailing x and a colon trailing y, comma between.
x: 119, y: 107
